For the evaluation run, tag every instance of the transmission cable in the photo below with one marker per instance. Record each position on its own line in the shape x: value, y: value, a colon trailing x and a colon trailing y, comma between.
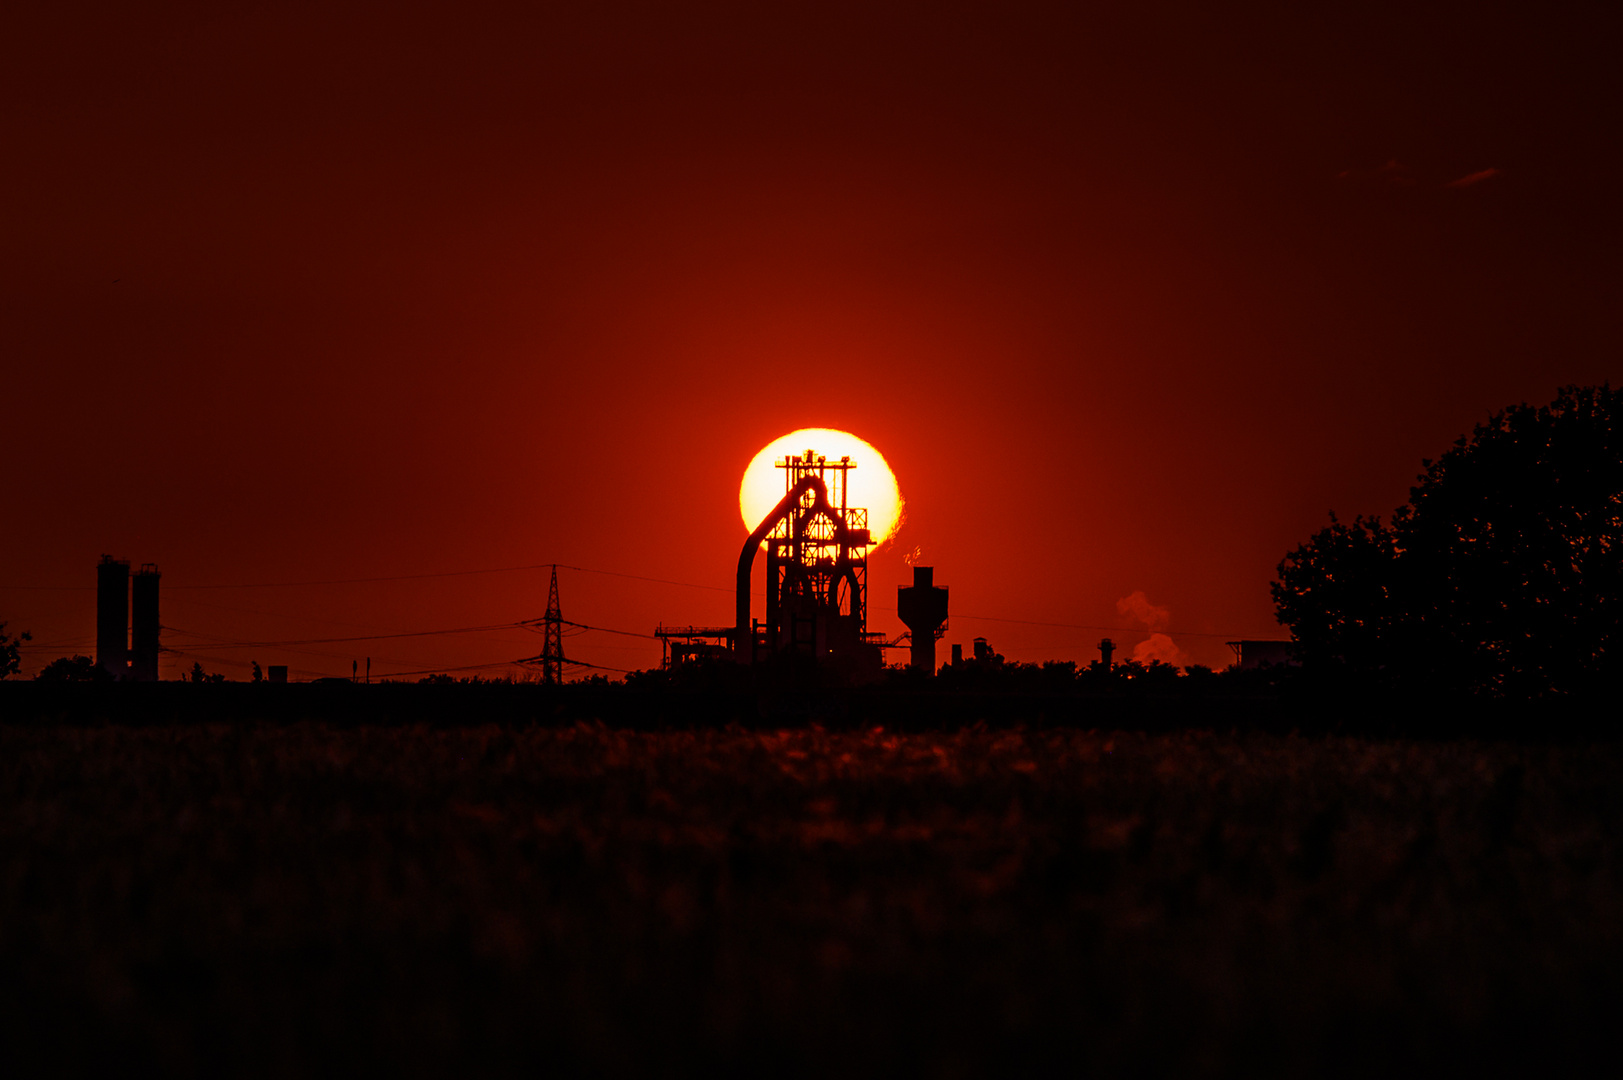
x: 337, y: 640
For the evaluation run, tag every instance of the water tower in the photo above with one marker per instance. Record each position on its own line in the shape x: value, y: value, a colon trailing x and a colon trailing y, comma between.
x: 922, y: 606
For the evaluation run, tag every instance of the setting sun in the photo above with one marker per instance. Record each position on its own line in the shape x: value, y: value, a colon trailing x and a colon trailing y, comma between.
x: 872, y: 484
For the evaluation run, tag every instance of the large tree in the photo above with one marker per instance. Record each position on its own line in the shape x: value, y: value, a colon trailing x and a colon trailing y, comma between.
x: 1502, y: 576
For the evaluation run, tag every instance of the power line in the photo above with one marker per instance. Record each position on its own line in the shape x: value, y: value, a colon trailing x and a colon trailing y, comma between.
x: 50, y: 588
x: 639, y: 649
x: 394, y: 577
x: 187, y: 601
x: 604, y: 667
x: 336, y: 640
x: 576, y: 663
x: 1083, y: 626
x: 603, y: 629
x: 365, y: 580
x: 607, y: 573
x: 528, y: 623
x: 464, y: 667
x: 500, y: 663
x: 236, y: 663
x: 639, y: 577
x: 215, y: 641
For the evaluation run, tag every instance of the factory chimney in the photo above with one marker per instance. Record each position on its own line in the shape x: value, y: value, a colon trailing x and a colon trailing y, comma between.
x: 144, y: 631
x: 113, y: 616
x: 923, y: 607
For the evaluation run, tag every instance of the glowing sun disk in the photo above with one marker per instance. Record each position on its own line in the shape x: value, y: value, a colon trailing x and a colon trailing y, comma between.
x: 872, y: 484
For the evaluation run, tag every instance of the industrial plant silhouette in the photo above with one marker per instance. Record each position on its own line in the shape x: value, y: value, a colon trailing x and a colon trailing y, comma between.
x: 814, y: 631
x: 1499, y: 581
x: 814, y: 616
x: 816, y: 586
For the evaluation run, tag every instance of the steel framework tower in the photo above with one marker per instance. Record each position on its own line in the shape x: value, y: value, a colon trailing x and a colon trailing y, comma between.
x: 816, y: 581
x: 552, y: 645
x: 816, y: 572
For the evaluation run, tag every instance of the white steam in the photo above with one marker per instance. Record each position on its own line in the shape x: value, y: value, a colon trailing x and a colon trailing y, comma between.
x: 1159, y: 645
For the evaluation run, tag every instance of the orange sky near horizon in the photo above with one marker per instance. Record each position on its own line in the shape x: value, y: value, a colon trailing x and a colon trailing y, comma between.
x: 1128, y: 298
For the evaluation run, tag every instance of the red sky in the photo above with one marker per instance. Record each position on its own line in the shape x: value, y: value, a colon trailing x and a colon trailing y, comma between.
x: 1129, y: 298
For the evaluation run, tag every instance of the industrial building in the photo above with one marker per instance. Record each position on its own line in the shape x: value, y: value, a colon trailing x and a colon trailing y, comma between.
x: 816, y: 585
x: 126, y: 648
x: 1250, y: 655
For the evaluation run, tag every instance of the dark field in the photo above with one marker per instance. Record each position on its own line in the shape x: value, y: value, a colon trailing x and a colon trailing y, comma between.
x: 298, y: 898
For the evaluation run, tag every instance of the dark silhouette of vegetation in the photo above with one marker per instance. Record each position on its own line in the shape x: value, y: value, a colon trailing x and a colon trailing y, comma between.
x: 200, y: 676
x: 11, y: 651
x: 994, y: 674
x: 466, y: 680
x: 73, y: 669
x: 1502, y: 577
x: 990, y: 676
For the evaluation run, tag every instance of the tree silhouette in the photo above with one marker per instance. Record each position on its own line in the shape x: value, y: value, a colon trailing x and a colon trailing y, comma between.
x: 1503, y: 576
x: 1336, y: 594
x: 73, y: 669
x: 199, y: 676
x: 11, y: 653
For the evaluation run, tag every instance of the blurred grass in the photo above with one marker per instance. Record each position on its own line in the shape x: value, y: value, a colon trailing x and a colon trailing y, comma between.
x: 293, y: 899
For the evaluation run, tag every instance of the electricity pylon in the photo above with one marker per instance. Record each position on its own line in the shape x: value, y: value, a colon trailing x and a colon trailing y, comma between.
x: 552, y: 646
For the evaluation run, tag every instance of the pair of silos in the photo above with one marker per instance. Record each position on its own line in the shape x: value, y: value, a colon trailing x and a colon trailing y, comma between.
x: 127, y: 633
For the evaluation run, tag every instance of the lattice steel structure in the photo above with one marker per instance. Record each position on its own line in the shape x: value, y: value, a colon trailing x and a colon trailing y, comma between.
x: 817, y: 571
x: 552, y: 643
x: 816, y: 579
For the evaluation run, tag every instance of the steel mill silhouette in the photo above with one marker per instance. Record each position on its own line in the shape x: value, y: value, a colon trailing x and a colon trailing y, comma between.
x: 817, y: 586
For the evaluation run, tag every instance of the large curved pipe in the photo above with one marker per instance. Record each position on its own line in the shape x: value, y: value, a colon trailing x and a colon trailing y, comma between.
x: 743, y: 633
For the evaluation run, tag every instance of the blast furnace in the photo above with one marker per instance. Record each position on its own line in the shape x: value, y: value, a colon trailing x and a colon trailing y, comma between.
x: 816, y: 580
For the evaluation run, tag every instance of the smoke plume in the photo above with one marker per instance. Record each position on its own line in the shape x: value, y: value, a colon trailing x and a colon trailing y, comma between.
x: 1138, y: 607
x: 1158, y: 646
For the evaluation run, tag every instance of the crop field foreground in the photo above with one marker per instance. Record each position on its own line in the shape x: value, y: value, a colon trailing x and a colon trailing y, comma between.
x: 299, y: 898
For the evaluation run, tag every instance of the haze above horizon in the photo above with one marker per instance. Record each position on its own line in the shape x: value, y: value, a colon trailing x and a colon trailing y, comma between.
x: 1129, y: 299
